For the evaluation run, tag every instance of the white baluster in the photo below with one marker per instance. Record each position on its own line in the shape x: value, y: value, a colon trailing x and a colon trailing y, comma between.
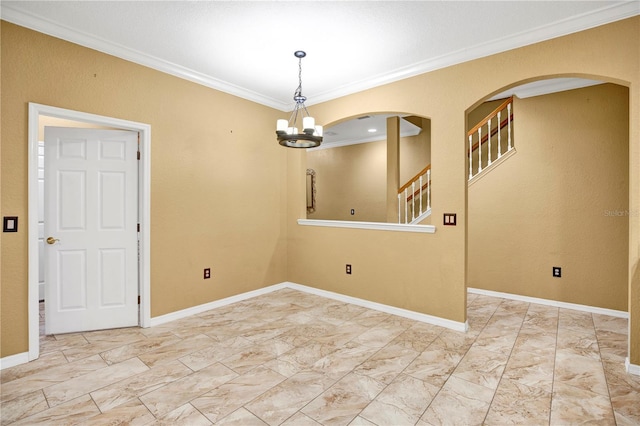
x: 428, y: 189
x: 406, y: 205
x: 499, y: 144
x: 479, y: 150
x: 509, y: 124
x: 420, y: 195
x: 413, y: 200
x: 399, y: 207
x: 470, y: 157
x: 489, y: 137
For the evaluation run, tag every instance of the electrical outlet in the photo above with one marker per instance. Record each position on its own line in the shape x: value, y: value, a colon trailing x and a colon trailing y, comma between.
x: 207, y: 273
x: 557, y: 272
x: 348, y: 269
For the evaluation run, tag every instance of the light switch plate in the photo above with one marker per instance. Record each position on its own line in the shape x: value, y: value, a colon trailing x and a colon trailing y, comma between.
x: 449, y: 219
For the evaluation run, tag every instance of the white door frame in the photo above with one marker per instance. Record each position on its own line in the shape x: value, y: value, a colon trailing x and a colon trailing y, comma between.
x: 144, y: 201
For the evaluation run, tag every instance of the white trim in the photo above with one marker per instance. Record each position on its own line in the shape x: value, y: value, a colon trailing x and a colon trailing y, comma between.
x: 545, y: 87
x: 421, y: 217
x: 13, y: 360
x: 194, y: 310
x: 564, y: 27
x: 554, y: 303
x: 54, y: 29
x: 416, y: 316
x: 357, y: 141
x: 493, y: 165
x: 631, y: 368
x: 570, y: 25
x: 379, y: 226
x: 144, y: 184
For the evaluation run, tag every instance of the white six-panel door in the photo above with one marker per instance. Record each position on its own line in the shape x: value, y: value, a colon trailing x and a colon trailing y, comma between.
x: 41, y: 237
x: 91, y: 260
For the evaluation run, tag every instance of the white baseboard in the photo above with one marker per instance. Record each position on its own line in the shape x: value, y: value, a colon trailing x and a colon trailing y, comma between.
x: 184, y: 313
x: 429, y: 319
x: 554, y: 303
x: 13, y: 360
x: 416, y: 316
x: 631, y: 368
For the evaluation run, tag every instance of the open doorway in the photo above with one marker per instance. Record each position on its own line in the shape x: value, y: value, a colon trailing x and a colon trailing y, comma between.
x: 40, y: 114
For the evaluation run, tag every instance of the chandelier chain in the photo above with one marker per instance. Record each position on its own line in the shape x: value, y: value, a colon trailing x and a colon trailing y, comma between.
x: 299, y: 90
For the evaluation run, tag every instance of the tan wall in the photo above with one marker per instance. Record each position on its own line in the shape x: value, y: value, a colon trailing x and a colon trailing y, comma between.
x: 415, y: 151
x: 481, y: 112
x: 196, y: 156
x: 350, y: 177
x: 205, y: 158
x: 427, y: 273
x: 573, y: 159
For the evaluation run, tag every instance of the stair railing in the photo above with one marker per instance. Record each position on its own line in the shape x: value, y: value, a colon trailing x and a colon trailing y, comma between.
x: 414, y: 200
x: 486, y: 123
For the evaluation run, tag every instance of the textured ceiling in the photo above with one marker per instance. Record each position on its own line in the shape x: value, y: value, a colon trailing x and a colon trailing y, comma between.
x: 246, y: 48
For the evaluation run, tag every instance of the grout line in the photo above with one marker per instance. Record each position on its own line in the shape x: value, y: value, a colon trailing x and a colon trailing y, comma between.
x: 507, y: 363
x: 604, y: 372
x: 553, y: 373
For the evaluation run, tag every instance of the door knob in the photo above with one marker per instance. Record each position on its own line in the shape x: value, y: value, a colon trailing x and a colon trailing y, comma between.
x: 52, y: 240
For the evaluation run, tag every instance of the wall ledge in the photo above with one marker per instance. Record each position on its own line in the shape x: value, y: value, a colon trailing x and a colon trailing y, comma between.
x: 13, y: 360
x: 378, y: 226
x: 554, y: 303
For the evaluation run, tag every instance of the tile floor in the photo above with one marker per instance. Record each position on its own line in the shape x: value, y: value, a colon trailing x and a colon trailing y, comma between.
x: 298, y: 359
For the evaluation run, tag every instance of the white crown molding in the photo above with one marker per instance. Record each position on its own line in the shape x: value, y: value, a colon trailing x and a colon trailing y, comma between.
x: 567, y: 26
x: 48, y: 27
x: 571, y: 25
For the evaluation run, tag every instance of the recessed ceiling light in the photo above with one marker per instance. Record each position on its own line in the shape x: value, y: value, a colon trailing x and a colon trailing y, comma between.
x: 372, y: 130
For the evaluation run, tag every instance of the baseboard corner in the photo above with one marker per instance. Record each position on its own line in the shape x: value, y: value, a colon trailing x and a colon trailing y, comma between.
x: 13, y: 360
x: 631, y: 368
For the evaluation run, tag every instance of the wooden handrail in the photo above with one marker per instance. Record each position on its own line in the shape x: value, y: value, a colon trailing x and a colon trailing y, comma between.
x: 417, y: 192
x: 493, y: 132
x: 415, y: 178
x: 491, y: 115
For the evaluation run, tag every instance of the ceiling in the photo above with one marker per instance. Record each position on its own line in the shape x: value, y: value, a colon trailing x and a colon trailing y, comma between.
x: 246, y: 48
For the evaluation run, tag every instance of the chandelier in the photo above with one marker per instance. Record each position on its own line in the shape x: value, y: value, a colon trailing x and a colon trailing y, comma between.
x: 287, y: 131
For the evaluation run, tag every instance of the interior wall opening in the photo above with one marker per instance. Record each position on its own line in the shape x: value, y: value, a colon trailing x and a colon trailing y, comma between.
x: 552, y: 221
x: 351, y: 169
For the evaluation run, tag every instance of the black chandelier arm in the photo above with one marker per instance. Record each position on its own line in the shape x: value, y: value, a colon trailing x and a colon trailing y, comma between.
x: 292, y: 140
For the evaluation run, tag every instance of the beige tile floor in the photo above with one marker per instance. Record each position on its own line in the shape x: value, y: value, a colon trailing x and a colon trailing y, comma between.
x: 298, y: 359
